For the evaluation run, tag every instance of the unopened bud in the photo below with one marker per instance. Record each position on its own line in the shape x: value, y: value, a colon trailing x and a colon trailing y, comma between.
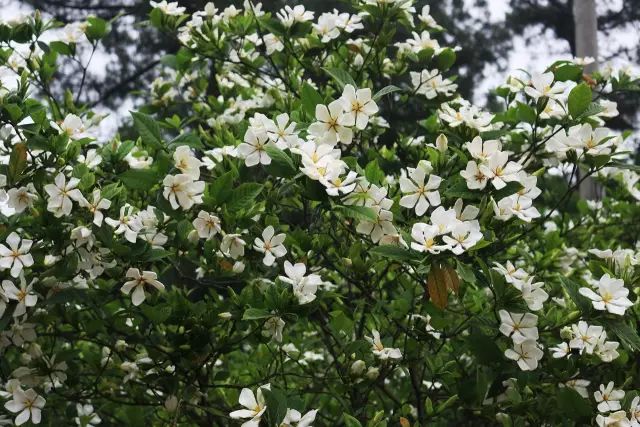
x: 442, y: 143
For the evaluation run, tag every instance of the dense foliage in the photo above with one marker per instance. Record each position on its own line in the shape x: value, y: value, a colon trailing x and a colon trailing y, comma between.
x: 278, y: 242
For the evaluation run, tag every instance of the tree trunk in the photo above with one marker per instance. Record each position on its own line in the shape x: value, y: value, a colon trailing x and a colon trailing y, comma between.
x: 585, y: 19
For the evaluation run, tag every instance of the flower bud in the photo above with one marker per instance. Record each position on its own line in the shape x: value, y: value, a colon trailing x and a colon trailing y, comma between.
x: 358, y: 367
x: 442, y: 143
x: 372, y: 373
x: 171, y: 404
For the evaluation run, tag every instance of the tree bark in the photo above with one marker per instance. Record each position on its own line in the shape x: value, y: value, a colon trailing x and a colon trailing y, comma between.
x: 585, y: 19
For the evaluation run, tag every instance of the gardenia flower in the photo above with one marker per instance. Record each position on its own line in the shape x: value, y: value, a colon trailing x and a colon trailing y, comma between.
x: 424, y: 236
x: 542, y: 86
x: 519, y: 326
x: 500, y: 170
x: 463, y: 237
x: 295, y: 418
x: 289, y: 16
x: 99, y: 203
x: 255, y: 406
x: 29, y: 405
x: 86, y: 415
x: 187, y: 163
x: 72, y: 126
x: 380, y: 351
x: 138, y: 284
x: 304, y: 287
x: 273, y: 328
x: 252, y: 150
x: 282, y: 132
x: 608, y: 399
x: 61, y: 193
x: 270, y: 245
x: 358, y: 106
x: 232, y: 245
x: 615, y: 419
x: 207, y: 225
x: 526, y: 353
x: 127, y: 224
x: 332, y: 124
x: 585, y: 337
x: 182, y: 191
x: 611, y: 296
x: 327, y: 27
x: 533, y: 294
x: 21, y: 198
x: 420, y: 195
x: 17, y: 255
x: 171, y: 9
x: 24, y: 296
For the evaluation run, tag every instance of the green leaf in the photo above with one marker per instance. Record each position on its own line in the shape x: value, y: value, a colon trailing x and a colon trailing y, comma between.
x: 446, y: 59
x: 573, y: 290
x: 350, y: 421
x: 243, y: 196
x: 17, y: 161
x: 255, y: 314
x: 574, y: 405
x: 156, y: 254
x: 484, y: 348
x: 157, y: 314
x: 96, y: 28
x: 394, y: 252
x: 341, y: 77
x: 567, y: 72
x: 627, y: 335
x: 579, y: 99
x: 358, y: 212
x: 221, y: 188
x: 148, y: 129
x: 385, y: 91
x: 629, y: 166
x: 525, y: 113
x: 281, y: 164
x: 61, y: 48
x: 139, y: 179
x: 373, y: 172
x: 310, y: 98
x: 189, y: 139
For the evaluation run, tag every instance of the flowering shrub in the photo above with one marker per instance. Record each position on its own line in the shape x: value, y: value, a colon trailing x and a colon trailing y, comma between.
x: 306, y: 225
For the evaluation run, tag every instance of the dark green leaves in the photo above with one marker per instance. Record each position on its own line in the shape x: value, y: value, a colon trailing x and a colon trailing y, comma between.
x: 358, y: 212
x: 219, y: 191
x: 148, y: 129
x: 341, y: 77
x: 627, y: 335
x: 573, y: 290
x: 255, y: 314
x: 579, y: 99
x: 139, y: 179
x: 573, y: 405
x: 395, y: 253
x: 281, y: 164
x: 310, y: 98
x: 17, y: 161
x: 446, y: 59
x: 385, y: 91
x: 243, y: 197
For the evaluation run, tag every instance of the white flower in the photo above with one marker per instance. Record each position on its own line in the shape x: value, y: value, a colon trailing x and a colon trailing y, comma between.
x: 327, y: 27
x: 358, y: 106
x: 476, y: 179
x: 332, y: 124
x: 608, y: 398
x: 24, y: 296
x: 526, y: 353
x: 270, y: 245
x: 304, y: 287
x: 72, y: 126
x: 424, y: 236
x: 336, y: 185
x: 61, y: 193
x: 232, y: 245
x: 17, y: 255
x: 542, y: 86
x: 533, y: 294
x: 282, y: 132
x: 482, y: 150
x: 92, y: 159
x: 611, y: 296
x: 585, y: 337
x: 463, y: 236
x: 615, y: 419
x: 187, y: 163
x: 519, y: 326
x: 561, y: 350
x: 182, y: 191
x: 511, y: 273
x: 252, y: 150
x: 255, y: 406
x: 273, y: 328
x: 382, y: 226
x: 138, y: 284
x: 86, y: 415
x: 207, y: 225
x: 431, y: 83
x: 273, y: 43
x: 21, y: 198
x: 418, y: 194
x: 29, y: 405
x: 580, y: 386
x: 127, y: 223
x: 634, y: 411
x: 99, y: 203
x: 171, y: 9
x: 500, y: 170
x: 295, y: 418
x: 380, y: 351
x: 289, y: 16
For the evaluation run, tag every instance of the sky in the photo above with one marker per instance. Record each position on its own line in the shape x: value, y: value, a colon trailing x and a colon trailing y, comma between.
x: 529, y: 56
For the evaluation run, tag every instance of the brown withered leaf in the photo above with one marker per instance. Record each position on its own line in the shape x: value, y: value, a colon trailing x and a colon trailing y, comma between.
x: 454, y: 279
x: 437, y: 286
x: 404, y: 422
